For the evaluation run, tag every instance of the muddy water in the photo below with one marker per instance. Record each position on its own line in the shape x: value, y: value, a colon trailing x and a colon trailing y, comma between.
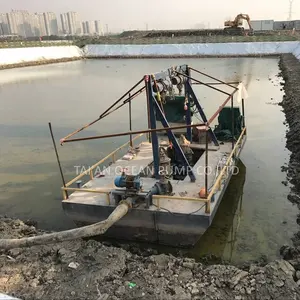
x: 255, y: 217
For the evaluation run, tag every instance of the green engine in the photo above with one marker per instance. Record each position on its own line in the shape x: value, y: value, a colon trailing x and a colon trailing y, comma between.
x: 174, y: 108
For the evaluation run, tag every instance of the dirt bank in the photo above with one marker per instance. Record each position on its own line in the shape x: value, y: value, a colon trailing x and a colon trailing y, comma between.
x: 91, y: 270
x: 38, y: 63
x: 290, y: 71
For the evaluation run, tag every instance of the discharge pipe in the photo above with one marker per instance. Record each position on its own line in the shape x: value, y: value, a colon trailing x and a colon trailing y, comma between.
x: 72, y: 234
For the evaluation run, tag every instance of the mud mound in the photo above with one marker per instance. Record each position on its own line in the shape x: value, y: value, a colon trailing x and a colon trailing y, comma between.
x: 90, y: 270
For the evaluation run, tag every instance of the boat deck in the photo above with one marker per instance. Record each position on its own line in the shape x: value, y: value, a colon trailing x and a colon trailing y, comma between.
x: 142, y: 160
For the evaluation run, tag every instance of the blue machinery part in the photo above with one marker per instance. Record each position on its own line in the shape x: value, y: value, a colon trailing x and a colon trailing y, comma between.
x: 132, y: 189
x: 128, y: 181
x: 160, y: 188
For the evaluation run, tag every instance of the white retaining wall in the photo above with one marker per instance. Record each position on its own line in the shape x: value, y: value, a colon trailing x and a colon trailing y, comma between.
x: 210, y: 49
x: 24, y: 55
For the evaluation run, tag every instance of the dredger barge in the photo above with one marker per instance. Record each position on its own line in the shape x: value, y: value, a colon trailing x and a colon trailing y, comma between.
x: 175, y: 172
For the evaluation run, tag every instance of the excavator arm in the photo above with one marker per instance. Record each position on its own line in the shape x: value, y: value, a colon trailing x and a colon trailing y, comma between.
x: 238, y: 21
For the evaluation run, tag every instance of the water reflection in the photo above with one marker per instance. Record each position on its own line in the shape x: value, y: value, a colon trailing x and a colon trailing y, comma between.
x: 71, y: 94
x: 221, y: 238
x: 44, y: 73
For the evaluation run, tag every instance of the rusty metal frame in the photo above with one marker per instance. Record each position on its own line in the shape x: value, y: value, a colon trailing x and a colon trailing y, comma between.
x: 184, y: 71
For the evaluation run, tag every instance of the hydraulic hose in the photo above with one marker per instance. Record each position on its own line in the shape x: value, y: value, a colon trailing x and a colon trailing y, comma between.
x: 72, y: 234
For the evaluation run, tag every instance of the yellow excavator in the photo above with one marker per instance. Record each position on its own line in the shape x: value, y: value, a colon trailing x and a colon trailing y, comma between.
x: 236, y: 27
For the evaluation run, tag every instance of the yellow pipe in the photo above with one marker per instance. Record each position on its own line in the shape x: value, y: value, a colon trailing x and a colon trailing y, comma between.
x: 100, y: 191
x: 179, y: 198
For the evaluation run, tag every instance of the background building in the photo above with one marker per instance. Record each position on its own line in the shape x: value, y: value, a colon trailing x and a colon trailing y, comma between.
x: 98, y: 27
x: 14, y: 22
x: 26, y: 24
x: 4, y: 28
x: 41, y: 30
x: 90, y: 27
x: 65, y: 23
x: 265, y: 25
x: 259, y: 25
x: 287, y: 25
x: 84, y: 31
x: 74, y: 23
x: 51, y: 23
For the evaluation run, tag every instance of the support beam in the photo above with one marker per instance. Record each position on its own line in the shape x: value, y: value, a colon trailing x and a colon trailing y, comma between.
x: 214, y: 78
x: 232, y: 124
x: 220, y: 108
x: 173, y: 139
x: 201, y: 112
x: 200, y: 82
x: 243, y: 112
x: 188, y: 115
x: 98, y: 137
x: 154, y: 139
x: 188, y: 111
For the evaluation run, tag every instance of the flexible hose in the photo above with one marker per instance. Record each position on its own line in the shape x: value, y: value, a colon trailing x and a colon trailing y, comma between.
x: 82, y: 232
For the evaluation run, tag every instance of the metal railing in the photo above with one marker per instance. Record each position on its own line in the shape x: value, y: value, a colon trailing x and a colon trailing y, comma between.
x: 90, y: 172
x: 216, y: 187
x: 218, y: 183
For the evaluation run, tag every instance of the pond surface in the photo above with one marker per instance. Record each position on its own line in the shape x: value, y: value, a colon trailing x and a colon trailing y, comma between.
x: 255, y: 217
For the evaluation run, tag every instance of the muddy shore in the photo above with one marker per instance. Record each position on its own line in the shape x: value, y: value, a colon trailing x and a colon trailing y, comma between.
x: 290, y: 72
x: 93, y: 270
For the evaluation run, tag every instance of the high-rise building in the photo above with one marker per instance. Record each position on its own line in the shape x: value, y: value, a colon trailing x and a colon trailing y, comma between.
x: 51, y: 23
x: 20, y: 22
x: 64, y: 23
x: 26, y: 24
x: 14, y: 19
x: 75, y: 26
x: 35, y: 25
x: 39, y: 26
x: 26, y: 20
x: 4, y: 27
x: 98, y: 27
x: 84, y: 29
x: 90, y: 27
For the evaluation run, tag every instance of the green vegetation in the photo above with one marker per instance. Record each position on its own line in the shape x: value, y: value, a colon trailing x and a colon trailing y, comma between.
x: 137, y: 38
x: 25, y: 44
x: 185, y: 40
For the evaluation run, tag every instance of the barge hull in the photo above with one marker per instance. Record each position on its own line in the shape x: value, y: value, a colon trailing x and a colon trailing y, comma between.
x: 179, y: 230
x: 149, y: 225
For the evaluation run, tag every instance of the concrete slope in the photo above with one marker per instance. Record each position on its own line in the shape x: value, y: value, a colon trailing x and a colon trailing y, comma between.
x: 11, y: 56
x: 190, y: 50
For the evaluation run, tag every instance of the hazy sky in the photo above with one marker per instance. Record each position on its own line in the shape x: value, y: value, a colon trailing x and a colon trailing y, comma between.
x: 133, y: 14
